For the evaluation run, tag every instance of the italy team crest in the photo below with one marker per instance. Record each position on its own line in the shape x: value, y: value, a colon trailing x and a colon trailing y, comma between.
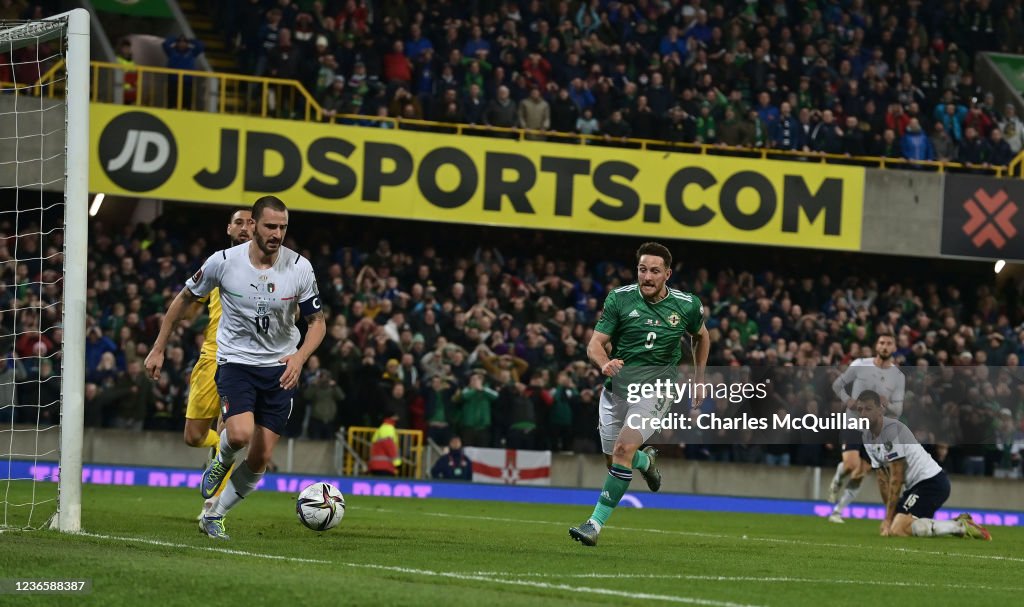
x: 270, y: 287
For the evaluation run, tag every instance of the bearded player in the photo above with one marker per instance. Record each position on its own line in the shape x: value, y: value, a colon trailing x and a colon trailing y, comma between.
x: 912, y: 484
x: 203, y: 402
x: 644, y: 324
x: 880, y: 374
x: 259, y: 359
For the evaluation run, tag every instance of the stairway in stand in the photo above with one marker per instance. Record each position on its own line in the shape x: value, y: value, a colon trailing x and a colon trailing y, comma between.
x: 220, y: 56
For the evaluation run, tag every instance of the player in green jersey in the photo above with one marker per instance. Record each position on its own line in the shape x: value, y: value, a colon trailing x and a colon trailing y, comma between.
x: 642, y: 328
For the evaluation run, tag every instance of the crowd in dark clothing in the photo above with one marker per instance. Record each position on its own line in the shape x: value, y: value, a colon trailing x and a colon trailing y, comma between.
x: 489, y: 342
x: 849, y: 78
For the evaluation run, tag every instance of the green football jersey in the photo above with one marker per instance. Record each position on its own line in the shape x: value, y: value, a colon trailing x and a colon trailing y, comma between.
x: 649, y: 335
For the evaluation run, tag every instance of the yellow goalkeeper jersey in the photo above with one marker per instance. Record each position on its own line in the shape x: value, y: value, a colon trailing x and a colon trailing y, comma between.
x: 209, y: 349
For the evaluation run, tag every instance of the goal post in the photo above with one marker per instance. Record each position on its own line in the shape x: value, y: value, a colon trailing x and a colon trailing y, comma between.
x: 76, y: 236
x: 44, y: 190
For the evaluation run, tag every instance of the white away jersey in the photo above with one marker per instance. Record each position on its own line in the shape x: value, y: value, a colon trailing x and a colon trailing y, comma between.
x: 895, y: 442
x: 862, y: 374
x: 257, y: 323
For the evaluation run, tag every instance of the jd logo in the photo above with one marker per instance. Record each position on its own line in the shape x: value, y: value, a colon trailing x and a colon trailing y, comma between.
x: 138, y: 152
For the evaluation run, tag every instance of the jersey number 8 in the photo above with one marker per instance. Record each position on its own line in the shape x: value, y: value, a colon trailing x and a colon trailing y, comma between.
x: 650, y: 340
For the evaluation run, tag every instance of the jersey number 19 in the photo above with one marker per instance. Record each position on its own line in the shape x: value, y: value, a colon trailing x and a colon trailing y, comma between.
x: 262, y: 320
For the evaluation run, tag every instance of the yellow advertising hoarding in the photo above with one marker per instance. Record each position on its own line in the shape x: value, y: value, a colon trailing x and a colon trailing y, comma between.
x: 380, y: 172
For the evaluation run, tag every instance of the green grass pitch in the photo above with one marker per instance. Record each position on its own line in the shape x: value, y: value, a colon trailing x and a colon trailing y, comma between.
x: 143, y: 548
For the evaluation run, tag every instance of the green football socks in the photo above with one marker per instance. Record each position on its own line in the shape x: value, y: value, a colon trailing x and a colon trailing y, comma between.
x: 641, y: 461
x: 615, y: 487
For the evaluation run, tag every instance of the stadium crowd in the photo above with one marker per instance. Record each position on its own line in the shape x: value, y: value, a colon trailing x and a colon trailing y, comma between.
x: 490, y: 343
x: 840, y: 77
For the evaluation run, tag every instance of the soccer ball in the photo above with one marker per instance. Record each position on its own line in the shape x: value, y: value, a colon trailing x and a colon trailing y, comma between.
x: 320, y: 506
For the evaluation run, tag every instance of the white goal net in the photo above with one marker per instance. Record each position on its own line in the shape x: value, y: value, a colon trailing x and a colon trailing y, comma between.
x: 44, y: 88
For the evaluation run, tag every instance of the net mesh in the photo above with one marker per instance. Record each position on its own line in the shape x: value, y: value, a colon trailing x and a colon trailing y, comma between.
x: 32, y: 178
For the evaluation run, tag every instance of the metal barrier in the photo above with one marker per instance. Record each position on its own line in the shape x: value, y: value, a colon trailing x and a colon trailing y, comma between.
x: 279, y: 98
x: 203, y: 91
x: 355, y: 451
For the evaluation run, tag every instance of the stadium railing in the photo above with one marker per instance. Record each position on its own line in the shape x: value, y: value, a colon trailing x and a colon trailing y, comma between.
x: 280, y: 98
x: 357, y: 452
x: 190, y: 89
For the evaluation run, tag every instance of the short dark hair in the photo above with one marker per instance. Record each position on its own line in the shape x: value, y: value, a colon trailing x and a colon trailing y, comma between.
x: 267, y: 202
x: 884, y: 333
x: 657, y: 250
x: 869, y: 396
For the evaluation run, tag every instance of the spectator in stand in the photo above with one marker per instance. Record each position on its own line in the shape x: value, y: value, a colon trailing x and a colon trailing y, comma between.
x: 979, y: 120
x: 944, y: 146
x: 534, y: 112
x: 731, y: 132
x: 96, y: 345
x: 787, y: 133
x: 896, y: 119
x: 766, y: 111
x: 1001, y: 154
x: 587, y: 124
x: 915, y: 144
x: 440, y: 412
x: 135, y: 398
x: 476, y: 402
x: 181, y: 55
x: 537, y: 70
x: 564, y: 113
x: 501, y: 112
x: 826, y: 136
x: 397, y: 66
x: 1013, y: 128
x: 951, y: 116
x: 334, y: 100
x: 323, y: 399
x: 473, y: 106
x: 853, y: 138
x: 615, y: 127
x: 888, y: 146
x: 417, y: 44
x: 707, y: 131
x: 973, y: 149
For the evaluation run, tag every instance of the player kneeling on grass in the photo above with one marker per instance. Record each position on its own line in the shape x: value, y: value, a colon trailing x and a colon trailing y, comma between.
x: 900, y: 461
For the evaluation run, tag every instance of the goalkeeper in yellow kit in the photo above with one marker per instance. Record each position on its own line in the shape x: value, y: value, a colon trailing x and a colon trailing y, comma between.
x: 203, y: 401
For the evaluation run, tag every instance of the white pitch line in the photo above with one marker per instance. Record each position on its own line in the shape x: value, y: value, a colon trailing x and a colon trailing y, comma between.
x: 746, y: 578
x: 546, y: 586
x: 142, y: 540
x: 430, y: 573
x: 772, y: 540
